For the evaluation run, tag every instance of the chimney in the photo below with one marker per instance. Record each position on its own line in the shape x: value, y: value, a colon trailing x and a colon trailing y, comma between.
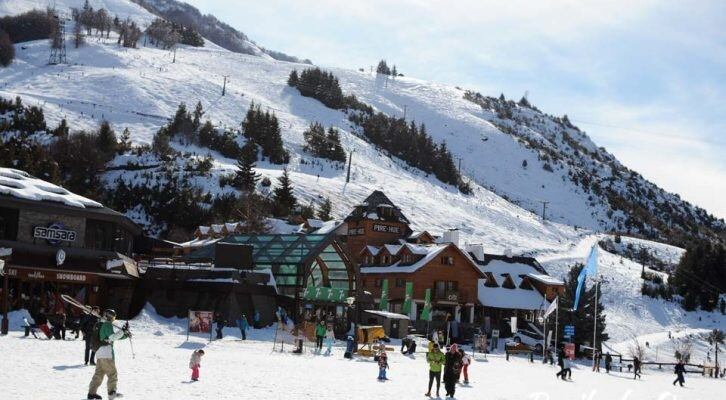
x: 477, y: 250
x: 452, y: 236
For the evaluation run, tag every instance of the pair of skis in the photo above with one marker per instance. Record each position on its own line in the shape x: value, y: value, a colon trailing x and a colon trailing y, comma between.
x: 88, y: 310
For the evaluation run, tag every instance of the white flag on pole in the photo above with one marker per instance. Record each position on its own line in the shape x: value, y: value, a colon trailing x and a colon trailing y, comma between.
x: 552, y: 307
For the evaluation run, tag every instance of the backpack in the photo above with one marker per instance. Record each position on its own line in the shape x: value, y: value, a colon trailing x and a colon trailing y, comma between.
x: 96, y: 336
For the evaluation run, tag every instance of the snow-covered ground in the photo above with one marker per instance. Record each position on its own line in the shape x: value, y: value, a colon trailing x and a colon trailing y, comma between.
x: 233, y: 369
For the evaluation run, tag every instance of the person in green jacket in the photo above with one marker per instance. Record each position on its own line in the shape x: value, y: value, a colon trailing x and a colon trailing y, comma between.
x: 436, y: 360
x: 105, y: 364
x: 319, y: 335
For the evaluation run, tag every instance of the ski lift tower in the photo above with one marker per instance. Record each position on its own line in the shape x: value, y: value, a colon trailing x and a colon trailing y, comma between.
x: 58, y: 42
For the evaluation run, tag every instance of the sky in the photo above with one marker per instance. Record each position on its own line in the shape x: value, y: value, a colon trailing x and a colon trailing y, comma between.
x: 646, y: 79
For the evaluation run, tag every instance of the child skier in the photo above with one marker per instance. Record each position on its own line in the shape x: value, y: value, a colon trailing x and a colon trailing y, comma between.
x: 382, y: 366
x: 195, y: 363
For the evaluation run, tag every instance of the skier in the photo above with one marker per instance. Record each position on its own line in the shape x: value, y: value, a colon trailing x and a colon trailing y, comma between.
x: 329, y: 339
x: 465, y: 362
x: 596, y: 361
x: 105, y: 364
x: 195, y: 363
x: 87, y: 323
x: 636, y: 368
x: 561, y: 362
x: 243, y: 326
x: 220, y: 324
x: 451, y: 369
x: 349, y: 347
x: 608, y: 362
x: 319, y: 335
x: 680, y: 370
x: 382, y: 366
x: 436, y: 359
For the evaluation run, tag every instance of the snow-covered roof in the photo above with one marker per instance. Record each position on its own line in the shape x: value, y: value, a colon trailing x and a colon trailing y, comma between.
x: 20, y: 184
x: 373, y: 250
x: 327, y: 226
x: 433, y: 251
x: 499, y: 268
x: 546, y: 279
x: 417, y: 248
x: 515, y: 299
x: 315, y: 223
x: 231, y: 226
x: 392, y: 248
x: 204, y: 230
x: 217, y: 228
x: 387, y: 314
x: 198, y: 242
x: 281, y: 227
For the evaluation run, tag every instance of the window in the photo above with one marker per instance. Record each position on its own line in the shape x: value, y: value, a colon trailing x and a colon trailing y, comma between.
x: 378, y: 282
x: 107, y: 236
x: 8, y: 224
x: 400, y: 282
x: 446, y: 260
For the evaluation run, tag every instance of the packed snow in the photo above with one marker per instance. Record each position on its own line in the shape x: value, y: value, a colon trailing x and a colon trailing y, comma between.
x: 19, y: 184
x: 233, y: 369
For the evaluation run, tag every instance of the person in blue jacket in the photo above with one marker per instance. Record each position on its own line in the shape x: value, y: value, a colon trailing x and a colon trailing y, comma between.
x: 243, y: 326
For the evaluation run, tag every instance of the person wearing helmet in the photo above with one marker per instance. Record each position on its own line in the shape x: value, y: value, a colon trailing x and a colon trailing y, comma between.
x: 105, y: 364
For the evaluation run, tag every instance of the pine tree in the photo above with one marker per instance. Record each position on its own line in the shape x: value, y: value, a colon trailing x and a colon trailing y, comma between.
x: 246, y: 178
x: 7, y: 50
x: 125, y: 144
x: 293, y: 80
x: 325, y: 210
x: 106, y: 139
x: 383, y: 68
x: 198, y: 114
x: 283, y: 196
x: 394, y: 72
x: 335, y: 149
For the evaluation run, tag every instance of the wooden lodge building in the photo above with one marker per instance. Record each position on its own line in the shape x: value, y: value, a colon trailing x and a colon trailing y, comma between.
x: 55, y: 242
x: 466, y: 285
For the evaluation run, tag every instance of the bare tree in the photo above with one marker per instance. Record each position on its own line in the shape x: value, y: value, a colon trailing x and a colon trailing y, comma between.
x: 636, y: 349
x: 683, y: 350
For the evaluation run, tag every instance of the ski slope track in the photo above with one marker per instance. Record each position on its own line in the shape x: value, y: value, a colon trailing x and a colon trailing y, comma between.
x: 140, y: 88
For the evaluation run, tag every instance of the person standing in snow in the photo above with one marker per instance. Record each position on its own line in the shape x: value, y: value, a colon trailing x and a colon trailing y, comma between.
x: 195, y: 362
x: 680, y: 370
x: 636, y: 368
x: 563, y: 362
x: 329, y: 339
x: 596, y: 361
x: 608, y: 362
x: 243, y: 326
x: 451, y: 369
x: 319, y: 335
x: 87, y: 323
x: 105, y: 363
x: 465, y: 362
x: 382, y: 366
x: 220, y: 324
x: 256, y: 320
x: 436, y: 360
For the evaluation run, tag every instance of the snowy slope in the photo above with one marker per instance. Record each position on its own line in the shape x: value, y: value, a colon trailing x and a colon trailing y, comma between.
x: 123, y: 8
x: 233, y: 369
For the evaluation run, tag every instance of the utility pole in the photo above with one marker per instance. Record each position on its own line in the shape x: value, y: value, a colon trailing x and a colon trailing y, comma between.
x: 459, y: 158
x: 224, y: 86
x: 544, y: 209
x: 174, y: 60
x: 350, y: 162
x: 405, y: 106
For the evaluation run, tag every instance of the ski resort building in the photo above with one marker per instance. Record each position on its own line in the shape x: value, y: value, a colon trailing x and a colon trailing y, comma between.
x: 56, y: 242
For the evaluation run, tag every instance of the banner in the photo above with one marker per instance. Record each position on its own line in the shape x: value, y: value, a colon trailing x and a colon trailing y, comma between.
x: 426, y: 312
x: 321, y: 293
x: 200, y: 322
x: 409, y: 296
x: 384, y: 296
x: 590, y: 269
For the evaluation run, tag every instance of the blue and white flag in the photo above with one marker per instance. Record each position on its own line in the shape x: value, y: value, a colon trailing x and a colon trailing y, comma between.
x: 590, y: 269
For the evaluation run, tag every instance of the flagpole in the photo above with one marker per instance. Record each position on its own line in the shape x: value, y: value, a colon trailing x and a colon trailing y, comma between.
x: 557, y: 321
x: 594, y: 332
x: 544, y: 348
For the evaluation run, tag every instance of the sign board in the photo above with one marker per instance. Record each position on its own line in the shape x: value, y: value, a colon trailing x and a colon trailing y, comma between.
x: 570, y: 351
x: 356, y: 231
x: 569, y: 331
x: 200, y: 322
x: 386, y: 228
x: 54, y: 233
x: 319, y: 293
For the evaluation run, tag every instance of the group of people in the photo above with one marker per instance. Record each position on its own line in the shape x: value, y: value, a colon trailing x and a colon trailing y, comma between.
x: 242, y: 323
x: 324, y: 334
x: 453, y: 363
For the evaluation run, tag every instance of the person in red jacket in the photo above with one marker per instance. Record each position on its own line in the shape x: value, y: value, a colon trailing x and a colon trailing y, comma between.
x: 195, y: 362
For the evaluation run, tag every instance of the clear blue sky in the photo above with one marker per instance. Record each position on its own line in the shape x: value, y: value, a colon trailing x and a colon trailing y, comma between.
x: 646, y: 79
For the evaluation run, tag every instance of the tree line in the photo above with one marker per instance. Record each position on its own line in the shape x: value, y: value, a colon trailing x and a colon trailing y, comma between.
x: 409, y: 142
x: 322, y: 144
x: 167, y: 34
x: 31, y: 25
x: 700, y: 277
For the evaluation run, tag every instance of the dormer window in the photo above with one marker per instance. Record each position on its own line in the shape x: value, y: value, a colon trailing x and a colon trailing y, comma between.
x: 446, y: 260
